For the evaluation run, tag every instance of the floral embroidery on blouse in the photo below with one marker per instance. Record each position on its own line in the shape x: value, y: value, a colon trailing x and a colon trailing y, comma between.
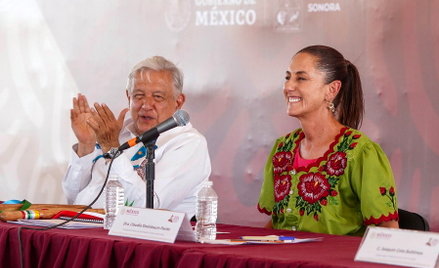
x: 390, y: 194
x: 282, y: 184
x: 336, y: 164
x: 315, y: 189
x: 282, y: 165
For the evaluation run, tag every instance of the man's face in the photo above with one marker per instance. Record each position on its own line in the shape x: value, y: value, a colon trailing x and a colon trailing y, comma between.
x: 152, y: 99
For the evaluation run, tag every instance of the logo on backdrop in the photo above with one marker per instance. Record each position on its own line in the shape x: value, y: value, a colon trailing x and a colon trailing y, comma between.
x: 210, y: 13
x: 323, y: 7
x: 288, y: 16
x: 225, y: 12
x: 178, y: 14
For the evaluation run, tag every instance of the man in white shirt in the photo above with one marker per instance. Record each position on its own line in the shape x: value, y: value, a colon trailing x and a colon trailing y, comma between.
x: 182, y: 163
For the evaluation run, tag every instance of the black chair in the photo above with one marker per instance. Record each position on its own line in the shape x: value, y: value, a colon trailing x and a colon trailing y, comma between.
x: 412, y: 221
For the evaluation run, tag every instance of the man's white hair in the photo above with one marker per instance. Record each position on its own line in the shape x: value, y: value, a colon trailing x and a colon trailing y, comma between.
x: 156, y: 63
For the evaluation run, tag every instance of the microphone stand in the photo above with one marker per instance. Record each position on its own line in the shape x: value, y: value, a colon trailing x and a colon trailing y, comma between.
x: 150, y: 172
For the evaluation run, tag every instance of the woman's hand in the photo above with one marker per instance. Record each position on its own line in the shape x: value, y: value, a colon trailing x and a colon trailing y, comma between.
x: 389, y: 224
x: 269, y: 224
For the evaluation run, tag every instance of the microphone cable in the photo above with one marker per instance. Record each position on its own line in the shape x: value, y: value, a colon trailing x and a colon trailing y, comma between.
x: 20, y: 246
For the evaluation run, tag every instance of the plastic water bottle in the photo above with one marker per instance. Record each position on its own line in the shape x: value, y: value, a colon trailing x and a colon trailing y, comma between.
x: 113, y: 200
x: 207, y: 206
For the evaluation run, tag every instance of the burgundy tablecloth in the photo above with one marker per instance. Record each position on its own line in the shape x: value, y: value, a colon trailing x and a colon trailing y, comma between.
x: 95, y: 248
x: 333, y: 251
x: 84, y: 248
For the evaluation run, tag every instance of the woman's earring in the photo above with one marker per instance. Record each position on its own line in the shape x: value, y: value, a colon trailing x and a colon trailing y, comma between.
x: 331, y: 106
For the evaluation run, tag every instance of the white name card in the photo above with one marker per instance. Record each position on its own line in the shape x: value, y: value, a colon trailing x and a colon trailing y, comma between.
x: 151, y: 224
x: 399, y: 247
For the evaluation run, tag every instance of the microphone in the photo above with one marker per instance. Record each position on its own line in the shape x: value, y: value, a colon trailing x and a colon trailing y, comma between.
x: 178, y: 119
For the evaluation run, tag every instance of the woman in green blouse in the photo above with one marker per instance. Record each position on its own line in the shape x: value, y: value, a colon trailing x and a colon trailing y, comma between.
x: 327, y: 176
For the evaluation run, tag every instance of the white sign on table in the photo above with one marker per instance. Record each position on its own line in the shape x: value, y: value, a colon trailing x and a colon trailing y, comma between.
x: 399, y: 247
x: 152, y: 224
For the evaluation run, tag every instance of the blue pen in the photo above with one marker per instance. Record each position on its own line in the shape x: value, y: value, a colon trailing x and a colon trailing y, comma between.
x: 283, y: 238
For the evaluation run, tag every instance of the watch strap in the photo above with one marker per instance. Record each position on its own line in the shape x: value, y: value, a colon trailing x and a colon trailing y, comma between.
x: 112, y: 153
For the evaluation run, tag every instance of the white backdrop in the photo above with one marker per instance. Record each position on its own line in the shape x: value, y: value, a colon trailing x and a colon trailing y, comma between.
x: 234, y: 54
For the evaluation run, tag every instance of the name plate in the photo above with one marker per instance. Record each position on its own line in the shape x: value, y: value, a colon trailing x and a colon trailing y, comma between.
x: 152, y: 224
x: 399, y: 247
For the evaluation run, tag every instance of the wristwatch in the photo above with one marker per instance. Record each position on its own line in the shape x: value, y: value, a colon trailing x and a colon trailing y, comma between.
x: 112, y: 153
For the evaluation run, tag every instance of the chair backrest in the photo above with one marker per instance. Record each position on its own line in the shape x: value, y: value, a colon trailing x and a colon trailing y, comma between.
x: 413, y: 221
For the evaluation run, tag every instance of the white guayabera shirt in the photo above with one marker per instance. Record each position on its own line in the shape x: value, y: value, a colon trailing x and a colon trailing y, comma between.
x: 182, y: 163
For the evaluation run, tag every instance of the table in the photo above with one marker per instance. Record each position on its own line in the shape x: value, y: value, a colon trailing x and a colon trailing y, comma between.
x: 95, y: 248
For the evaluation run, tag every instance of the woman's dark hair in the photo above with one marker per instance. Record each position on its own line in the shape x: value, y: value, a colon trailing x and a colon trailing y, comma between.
x: 349, y: 102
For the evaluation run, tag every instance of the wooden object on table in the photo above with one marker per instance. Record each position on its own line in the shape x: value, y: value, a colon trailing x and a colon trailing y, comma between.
x: 45, y: 211
x: 15, y: 207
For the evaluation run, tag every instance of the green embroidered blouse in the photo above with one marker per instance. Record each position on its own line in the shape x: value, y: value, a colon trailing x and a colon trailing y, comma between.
x: 342, y: 192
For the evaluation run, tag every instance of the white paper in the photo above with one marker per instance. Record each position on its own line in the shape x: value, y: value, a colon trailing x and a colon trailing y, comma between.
x: 52, y: 222
x: 248, y: 242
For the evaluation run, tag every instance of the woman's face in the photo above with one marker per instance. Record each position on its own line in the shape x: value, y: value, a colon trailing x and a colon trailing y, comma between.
x: 304, y: 89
